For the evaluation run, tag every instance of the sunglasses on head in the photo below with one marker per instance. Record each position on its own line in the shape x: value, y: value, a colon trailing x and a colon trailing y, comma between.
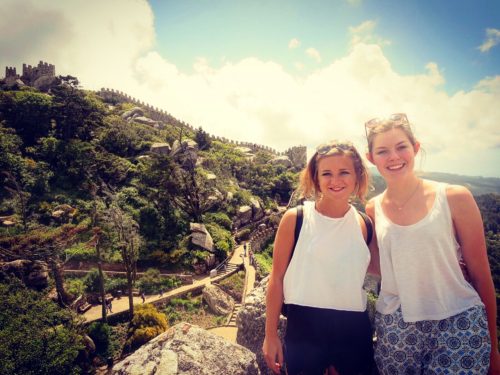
x: 394, y: 119
x: 325, y: 148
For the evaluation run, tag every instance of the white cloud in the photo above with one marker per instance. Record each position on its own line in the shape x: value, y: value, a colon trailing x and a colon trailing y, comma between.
x: 298, y: 65
x: 314, y: 53
x: 363, y: 33
x: 111, y: 44
x: 293, y: 43
x: 492, y: 39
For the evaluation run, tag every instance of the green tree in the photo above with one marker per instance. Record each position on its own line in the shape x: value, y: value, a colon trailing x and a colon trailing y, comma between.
x: 28, y: 113
x: 124, y: 234
x: 36, y: 336
x: 202, y: 139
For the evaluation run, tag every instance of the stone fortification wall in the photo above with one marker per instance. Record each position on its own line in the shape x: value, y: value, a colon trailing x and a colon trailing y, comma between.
x: 32, y: 73
x: 39, y: 76
x: 260, y: 237
x: 297, y: 153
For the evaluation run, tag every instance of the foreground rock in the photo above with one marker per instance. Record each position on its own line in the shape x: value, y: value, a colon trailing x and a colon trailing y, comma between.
x: 191, y: 350
x: 251, y: 322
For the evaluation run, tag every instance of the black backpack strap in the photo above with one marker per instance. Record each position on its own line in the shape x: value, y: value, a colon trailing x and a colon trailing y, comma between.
x: 298, y: 226
x: 369, y: 227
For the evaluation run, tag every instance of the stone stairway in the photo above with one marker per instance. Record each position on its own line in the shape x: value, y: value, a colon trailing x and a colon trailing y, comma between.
x: 232, y: 319
x: 230, y: 267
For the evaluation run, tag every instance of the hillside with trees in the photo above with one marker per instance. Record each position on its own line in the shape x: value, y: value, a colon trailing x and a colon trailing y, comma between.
x: 92, y: 182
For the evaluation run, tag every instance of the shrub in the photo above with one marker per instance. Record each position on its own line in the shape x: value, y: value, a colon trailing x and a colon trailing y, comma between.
x: 92, y: 282
x: 146, y: 324
x: 80, y: 252
x: 220, y: 218
x: 75, y: 287
x: 222, y: 238
x: 100, y: 333
x: 152, y: 282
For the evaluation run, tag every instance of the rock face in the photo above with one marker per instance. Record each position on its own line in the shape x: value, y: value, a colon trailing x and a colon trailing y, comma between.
x: 200, y: 237
x: 189, y: 350
x: 244, y: 215
x: 251, y: 322
x: 160, y: 148
x: 34, y: 274
x: 218, y: 301
x: 281, y: 160
x: 134, y: 112
x: 257, y: 211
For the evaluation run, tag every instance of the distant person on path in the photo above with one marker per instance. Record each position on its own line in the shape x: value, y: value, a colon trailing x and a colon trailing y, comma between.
x: 429, y: 318
x: 143, y: 297
x: 245, y: 250
x: 322, y: 280
x: 110, y: 306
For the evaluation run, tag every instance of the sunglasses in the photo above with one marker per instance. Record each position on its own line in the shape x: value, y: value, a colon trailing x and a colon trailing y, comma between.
x: 325, y: 148
x: 395, y: 119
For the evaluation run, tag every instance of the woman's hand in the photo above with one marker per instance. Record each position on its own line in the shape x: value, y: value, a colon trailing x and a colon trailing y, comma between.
x: 273, y: 353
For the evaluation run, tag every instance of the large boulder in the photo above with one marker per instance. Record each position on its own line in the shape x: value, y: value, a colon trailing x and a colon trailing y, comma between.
x: 251, y: 322
x: 34, y: 274
x: 257, y: 211
x: 219, y: 301
x: 145, y: 121
x: 189, y: 350
x: 185, y: 152
x: 281, y: 160
x: 136, y: 111
x: 200, y: 237
x: 244, y: 215
x: 160, y: 148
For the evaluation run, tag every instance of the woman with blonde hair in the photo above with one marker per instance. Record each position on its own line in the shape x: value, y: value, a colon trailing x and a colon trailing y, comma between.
x: 430, y: 319
x: 320, y: 278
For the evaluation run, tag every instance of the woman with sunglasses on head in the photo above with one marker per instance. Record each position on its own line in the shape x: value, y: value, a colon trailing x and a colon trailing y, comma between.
x: 429, y: 319
x: 321, y: 278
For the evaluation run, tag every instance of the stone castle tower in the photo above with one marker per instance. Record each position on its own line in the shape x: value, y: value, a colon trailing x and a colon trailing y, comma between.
x: 38, y: 76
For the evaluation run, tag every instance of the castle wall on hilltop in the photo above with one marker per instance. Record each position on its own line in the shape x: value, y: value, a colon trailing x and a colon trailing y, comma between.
x: 38, y: 76
x: 297, y: 154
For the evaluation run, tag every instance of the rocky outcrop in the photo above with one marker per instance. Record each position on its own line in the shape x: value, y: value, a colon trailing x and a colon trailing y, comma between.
x: 189, y: 350
x: 64, y: 212
x: 251, y: 322
x: 34, y: 274
x: 257, y: 211
x: 145, y: 121
x: 160, y: 148
x: 244, y: 215
x: 281, y: 160
x: 247, y: 214
x: 134, y: 112
x: 200, y: 237
x: 219, y: 302
x: 185, y: 152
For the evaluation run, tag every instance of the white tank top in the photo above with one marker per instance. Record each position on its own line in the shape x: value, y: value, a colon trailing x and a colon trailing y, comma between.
x: 419, y: 265
x: 329, y: 263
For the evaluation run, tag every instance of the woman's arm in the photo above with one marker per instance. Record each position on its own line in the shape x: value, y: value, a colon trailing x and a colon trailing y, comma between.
x: 283, y: 243
x: 374, y: 266
x: 469, y: 230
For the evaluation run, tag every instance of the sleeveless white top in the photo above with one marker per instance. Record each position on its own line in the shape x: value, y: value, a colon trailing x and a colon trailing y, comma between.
x: 329, y: 263
x: 419, y: 265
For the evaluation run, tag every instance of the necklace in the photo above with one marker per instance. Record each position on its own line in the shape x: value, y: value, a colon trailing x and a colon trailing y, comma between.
x: 401, y: 206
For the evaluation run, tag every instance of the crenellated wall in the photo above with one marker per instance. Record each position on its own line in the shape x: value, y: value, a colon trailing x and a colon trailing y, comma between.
x: 297, y: 154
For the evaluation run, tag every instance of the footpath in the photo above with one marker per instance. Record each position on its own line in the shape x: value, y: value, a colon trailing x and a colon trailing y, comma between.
x: 229, y: 331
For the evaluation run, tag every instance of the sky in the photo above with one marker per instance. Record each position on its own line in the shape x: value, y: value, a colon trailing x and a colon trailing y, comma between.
x: 286, y: 72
